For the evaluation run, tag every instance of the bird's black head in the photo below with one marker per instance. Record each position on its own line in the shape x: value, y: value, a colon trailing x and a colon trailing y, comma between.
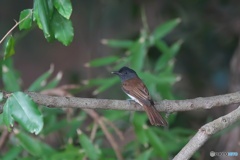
x: 125, y: 73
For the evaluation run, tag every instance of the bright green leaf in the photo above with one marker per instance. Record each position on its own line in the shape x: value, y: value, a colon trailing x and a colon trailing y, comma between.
x: 26, y: 18
x: 62, y: 29
x: 34, y: 146
x: 164, y: 29
x: 9, y: 47
x: 91, y: 151
x: 40, y: 82
x: 21, y: 108
x: 7, y: 114
x: 42, y: 15
x: 64, y: 7
x: 102, y: 61
x: 117, y: 43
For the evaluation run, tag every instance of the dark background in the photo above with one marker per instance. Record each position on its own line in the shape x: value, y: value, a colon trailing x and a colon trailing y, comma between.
x: 207, y: 62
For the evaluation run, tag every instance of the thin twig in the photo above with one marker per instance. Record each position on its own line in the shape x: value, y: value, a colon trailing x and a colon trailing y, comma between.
x: 17, y: 23
x: 205, y: 132
x: 4, y: 137
x: 118, y: 132
x: 108, y: 135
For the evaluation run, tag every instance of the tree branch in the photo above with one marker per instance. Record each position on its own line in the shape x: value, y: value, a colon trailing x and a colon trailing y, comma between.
x: 205, y: 132
x: 164, y: 105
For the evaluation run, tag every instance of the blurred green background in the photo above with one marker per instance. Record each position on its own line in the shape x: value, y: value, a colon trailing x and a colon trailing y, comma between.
x: 190, y: 49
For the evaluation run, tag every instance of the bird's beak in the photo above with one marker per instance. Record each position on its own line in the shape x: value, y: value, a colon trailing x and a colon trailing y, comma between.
x: 115, y: 72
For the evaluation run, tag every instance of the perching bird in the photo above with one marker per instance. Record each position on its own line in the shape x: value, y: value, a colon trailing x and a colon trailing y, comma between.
x: 133, y: 86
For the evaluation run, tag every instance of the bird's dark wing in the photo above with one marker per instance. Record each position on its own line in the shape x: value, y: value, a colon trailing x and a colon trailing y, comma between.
x: 136, y: 88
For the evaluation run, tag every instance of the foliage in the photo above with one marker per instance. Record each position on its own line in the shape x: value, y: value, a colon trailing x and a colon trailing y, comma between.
x: 24, y: 117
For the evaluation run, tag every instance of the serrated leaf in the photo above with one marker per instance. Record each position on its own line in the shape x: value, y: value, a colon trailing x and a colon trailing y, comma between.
x: 164, y: 29
x: 34, y: 146
x: 91, y: 151
x: 21, y: 108
x: 9, y: 47
x: 41, y: 81
x: 64, y: 7
x: 26, y: 18
x: 102, y: 61
x: 62, y: 28
x: 117, y: 43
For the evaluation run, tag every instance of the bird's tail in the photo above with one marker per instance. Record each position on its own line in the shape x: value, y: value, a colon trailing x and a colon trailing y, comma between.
x: 154, y: 117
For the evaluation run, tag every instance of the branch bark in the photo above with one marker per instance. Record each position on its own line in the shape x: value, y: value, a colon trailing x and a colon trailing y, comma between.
x: 164, y: 105
x: 205, y: 132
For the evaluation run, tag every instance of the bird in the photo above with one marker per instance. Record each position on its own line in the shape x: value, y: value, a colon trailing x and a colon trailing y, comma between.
x: 134, y: 87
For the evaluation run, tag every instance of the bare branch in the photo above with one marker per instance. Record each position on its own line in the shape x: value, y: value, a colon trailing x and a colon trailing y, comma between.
x: 164, y: 105
x: 205, y: 132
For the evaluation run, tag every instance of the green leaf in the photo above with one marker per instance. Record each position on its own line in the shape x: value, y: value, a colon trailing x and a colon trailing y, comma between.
x: 21, y: 108
x: 26, y: 18
x: 161, y: 78
x: 145, y: 155
x: 9, y: 47
x: 139, y: 122
x: 10, y: 76
x: 117, y: 43
x: 42, y: 15
x: 62, y: 29
x: 7, y: 114
x: 53, y: 83
x: 1, y: 96
x: 40, y: 82
x: 168, y: 54
x: 102, y: 61
x: 138, y: 52
x: 164, y: 29
x: 157, y: 144
x: 64, y: 7
x: 12, y: 153
x: 91, y: 151
x: 34, y: 146
x: 107, y: 84
x: 70, y: 152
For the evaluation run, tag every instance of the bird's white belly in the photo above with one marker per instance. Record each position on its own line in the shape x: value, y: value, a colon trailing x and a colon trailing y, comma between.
x: 135, y: 99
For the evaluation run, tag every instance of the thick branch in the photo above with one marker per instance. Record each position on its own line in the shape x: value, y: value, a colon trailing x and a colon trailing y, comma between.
x: 205, y: 132
x: 164, y: 105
